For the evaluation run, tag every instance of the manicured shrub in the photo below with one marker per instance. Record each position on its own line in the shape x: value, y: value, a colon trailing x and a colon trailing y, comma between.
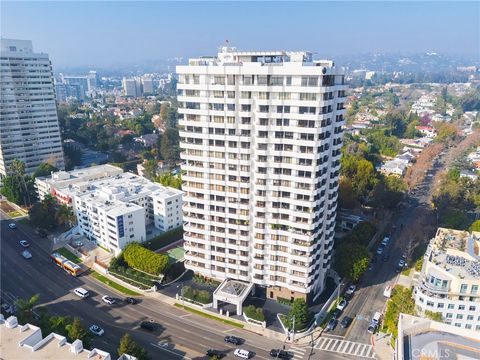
x: 138, y: 257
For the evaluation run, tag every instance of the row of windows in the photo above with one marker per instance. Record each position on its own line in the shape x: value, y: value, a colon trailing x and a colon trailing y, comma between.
x: 269, y: 80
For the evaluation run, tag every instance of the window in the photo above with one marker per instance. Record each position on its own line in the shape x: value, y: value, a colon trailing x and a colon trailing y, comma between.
x: 469, y: 317
x: 262, y: 80
x: 276, y: 80
x: 461, y: 307
x: 440, y: 305
x: 284, y: 96
x: 468, y: 326
x: 309, y: 81
x: 430, y: 303
x: 472, y: 308
x: 451, y: 306
x: 449, y: 315
x: 463, y: 288
x: 474, y: 289
x: 308, y: 96
x: 459, y: 316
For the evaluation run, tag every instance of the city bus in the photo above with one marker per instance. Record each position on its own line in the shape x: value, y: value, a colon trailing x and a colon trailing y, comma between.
x: 67, y: 265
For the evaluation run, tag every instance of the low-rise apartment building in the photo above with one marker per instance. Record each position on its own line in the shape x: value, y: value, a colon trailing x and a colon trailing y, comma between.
x: 117, y: 210
x: 450, y: 278
x: 60, y: 183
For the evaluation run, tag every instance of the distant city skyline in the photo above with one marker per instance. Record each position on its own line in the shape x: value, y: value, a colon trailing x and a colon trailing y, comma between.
x: 108, y: 33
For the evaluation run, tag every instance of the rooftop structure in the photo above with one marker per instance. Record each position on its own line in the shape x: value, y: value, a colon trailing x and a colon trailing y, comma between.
x: 420, y: 338
x: 450, y: 278
x: 27, y: 342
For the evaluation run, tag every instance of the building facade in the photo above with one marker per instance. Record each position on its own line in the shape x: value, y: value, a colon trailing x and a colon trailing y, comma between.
x: 450, y: 278
x: 262, y: 133
x: 117, y: 210
x: 29, y: 129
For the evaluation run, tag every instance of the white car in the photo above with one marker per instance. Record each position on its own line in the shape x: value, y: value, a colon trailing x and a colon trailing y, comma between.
x: 27, y: 254
x: 24, y: 243
x: 108, y: 299
x: 351, y: 289
x: 342, y: 304
x: 97, y: 330
x: 12, y: 226
x: 81, y: 292
x: 244, y: 354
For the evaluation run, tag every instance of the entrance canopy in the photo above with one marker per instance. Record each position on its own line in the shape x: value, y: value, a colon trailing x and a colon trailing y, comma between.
x: 233, y: 292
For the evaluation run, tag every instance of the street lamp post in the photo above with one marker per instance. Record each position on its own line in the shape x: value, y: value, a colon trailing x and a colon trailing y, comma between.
x: 338, y: 293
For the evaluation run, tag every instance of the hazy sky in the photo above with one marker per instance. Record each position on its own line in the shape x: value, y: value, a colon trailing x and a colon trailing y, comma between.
x: 102, y: 33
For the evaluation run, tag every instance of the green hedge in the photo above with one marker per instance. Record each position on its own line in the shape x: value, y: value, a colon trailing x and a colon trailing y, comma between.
x: 201, y: 296
x: 164, y: 239
x: 138, y: 257
x: 284, y: 301
x: 254, y: 313
x: 205, y: 281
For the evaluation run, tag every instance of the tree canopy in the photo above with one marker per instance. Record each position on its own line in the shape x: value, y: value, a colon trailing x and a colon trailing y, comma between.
x: 138, y: 257
x: 130, y: 347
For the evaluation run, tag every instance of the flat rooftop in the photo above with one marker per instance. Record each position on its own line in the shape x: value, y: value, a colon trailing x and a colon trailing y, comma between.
x: 62, y: 179
x: 457, y: 252
x: 421, y: 338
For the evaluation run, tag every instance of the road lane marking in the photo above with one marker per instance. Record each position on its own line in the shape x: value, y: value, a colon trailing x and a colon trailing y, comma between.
x: 171, y: 352
x: 182, y: 316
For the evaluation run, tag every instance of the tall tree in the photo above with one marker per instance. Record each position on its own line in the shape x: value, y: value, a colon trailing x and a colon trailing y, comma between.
x: 169, y: 148
x: 75, y: 330
x: 44, y: 169
x: 130, y: 347
x: 64, y: 215
x: 298, y: 314
x: 25, y: 308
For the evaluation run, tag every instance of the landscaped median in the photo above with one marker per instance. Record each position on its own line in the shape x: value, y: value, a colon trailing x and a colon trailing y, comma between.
x: 114, y: 285
x: 204, y: 314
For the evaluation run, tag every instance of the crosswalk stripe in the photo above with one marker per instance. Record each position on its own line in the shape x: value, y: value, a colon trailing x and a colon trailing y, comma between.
x: 344, y: 347
x: 297, y: 350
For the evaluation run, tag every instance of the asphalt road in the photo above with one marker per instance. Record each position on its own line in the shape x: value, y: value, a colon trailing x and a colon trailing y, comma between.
x: 180, y: 334
x: 369, y: 295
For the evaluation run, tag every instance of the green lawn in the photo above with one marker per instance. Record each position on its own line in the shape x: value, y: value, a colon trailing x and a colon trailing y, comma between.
x: 114, y: 285
x: 406, y: 272
x: 69, y: 255
x: 175, y: 254
x: 201, y: 313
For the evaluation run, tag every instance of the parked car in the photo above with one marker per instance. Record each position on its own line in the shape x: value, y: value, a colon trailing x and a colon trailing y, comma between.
x: 280, y: 354
x: 96, y: 330
x: 386, y: 257
x: 375, y: 323
x: 12, y: 226
x: 351, y: 289
x: 108, y: 299
x: 336, y: 314
x: 346, y: 321
x: 400, y: 266
x: 342, y: 304
x: 149, y: 325
x: 385, y: 241
x: 332, y: 324
x: 24, y: 243
x: 8, y: 309
x: 27, y: 254
x: 217, y: 353
x: 388, y: 291
x: 241, y: 353
x: 233, y: 340
x: 77, y: 244
x: 131, y: 300
x: 380, y: 249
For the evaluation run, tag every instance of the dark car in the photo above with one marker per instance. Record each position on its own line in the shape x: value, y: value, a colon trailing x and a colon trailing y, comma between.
x: 336, y: 314
x: 212, y: 353
x: 131, y: 300
x: 346, y: 321
x: 148, y: 325
x: 233, y: 340
x: 332, y: 324
x: 280, y: 354
x: 386, y: 257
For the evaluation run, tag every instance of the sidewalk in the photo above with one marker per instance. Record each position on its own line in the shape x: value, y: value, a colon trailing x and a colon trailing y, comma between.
x: 381, y: 346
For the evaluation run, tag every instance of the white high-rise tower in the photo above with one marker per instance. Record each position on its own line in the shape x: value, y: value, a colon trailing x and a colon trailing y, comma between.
x: 29, y: 129
x: 261, y: 134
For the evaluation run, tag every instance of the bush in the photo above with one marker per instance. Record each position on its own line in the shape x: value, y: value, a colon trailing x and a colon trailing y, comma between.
x: 205, y: 281
x: 400, y: 302
x: 254, y: 313
x: 136, y: 256
x: 284, y: 301
x: 164, y: 239
x: 201, y: 296
x: 419, y: 264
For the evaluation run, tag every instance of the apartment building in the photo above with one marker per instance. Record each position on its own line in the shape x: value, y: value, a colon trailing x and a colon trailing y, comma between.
x: 117, y: 210
x: 262, y: 133
x: 450, y: 278
x: 29, y: 129
x: 60, y: 184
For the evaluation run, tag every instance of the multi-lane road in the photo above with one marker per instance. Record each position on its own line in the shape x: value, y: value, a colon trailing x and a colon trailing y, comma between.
x: 180, y: 334
x: 369, y: 295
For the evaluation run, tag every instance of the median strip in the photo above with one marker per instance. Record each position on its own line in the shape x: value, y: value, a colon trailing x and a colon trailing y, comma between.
x: 201, y: 313
x: 114, y: 285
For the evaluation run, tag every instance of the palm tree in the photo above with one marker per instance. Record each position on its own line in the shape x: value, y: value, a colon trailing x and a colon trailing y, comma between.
x: 17, y: 168
x: 25, y: 308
